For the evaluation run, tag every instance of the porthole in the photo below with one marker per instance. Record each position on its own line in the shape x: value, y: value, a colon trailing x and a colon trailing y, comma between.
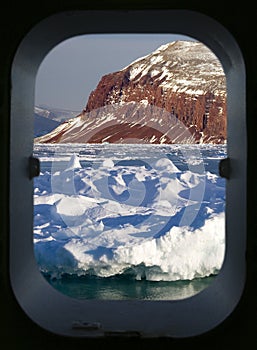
x: 94, y: 317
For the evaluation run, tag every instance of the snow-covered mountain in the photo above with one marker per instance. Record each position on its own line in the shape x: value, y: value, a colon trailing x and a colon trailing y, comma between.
x: 43, y: 125
x: 57, y: 114
x: 175, y: 94
x: 47, y: 119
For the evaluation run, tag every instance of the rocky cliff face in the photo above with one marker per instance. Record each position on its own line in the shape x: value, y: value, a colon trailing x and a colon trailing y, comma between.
x: 175, y: 94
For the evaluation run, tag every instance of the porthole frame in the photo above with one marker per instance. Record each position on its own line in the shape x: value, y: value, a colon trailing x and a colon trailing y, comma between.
x: 60, y: 314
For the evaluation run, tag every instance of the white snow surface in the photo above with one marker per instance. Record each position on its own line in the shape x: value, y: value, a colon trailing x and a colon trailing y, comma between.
x: 109, y: 217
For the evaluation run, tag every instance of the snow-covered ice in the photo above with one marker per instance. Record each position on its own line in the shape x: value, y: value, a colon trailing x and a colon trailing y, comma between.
x: 142, y: 210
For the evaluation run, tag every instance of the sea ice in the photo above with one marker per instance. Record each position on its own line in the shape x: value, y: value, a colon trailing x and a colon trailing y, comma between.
x: 73, y: 163
x: 156, y: 222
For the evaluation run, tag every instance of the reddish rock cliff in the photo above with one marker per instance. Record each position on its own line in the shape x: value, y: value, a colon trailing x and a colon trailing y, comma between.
x: 179, y: 82
x: 200, y: 105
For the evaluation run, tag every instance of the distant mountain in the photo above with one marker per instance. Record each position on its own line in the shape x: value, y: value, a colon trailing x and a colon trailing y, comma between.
x: 43, y: 125
x: 57, y: 114
x: 177, y: 94
x: 47, y: 119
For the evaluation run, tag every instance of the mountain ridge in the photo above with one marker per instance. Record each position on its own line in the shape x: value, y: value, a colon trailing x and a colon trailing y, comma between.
x: 183, y: 80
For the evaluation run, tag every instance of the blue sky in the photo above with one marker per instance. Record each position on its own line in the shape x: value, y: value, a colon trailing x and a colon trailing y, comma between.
x: 73, y: 68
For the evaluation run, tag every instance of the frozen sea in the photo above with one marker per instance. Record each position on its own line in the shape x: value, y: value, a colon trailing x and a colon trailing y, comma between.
x: 118, y: 221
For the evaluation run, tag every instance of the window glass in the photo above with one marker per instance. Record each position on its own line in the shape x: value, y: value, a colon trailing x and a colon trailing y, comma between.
x: 130, y: 131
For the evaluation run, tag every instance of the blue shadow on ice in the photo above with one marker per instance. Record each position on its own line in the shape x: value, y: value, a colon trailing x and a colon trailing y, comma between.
x: 119, y: 221
x: 99, y: 252
x: 53, y: 257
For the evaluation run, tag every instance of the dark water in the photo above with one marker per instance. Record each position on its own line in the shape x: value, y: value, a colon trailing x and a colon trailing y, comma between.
x: 123, y: 288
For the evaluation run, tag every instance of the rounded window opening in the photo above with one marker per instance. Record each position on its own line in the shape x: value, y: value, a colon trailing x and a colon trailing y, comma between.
x: 130, y: 130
